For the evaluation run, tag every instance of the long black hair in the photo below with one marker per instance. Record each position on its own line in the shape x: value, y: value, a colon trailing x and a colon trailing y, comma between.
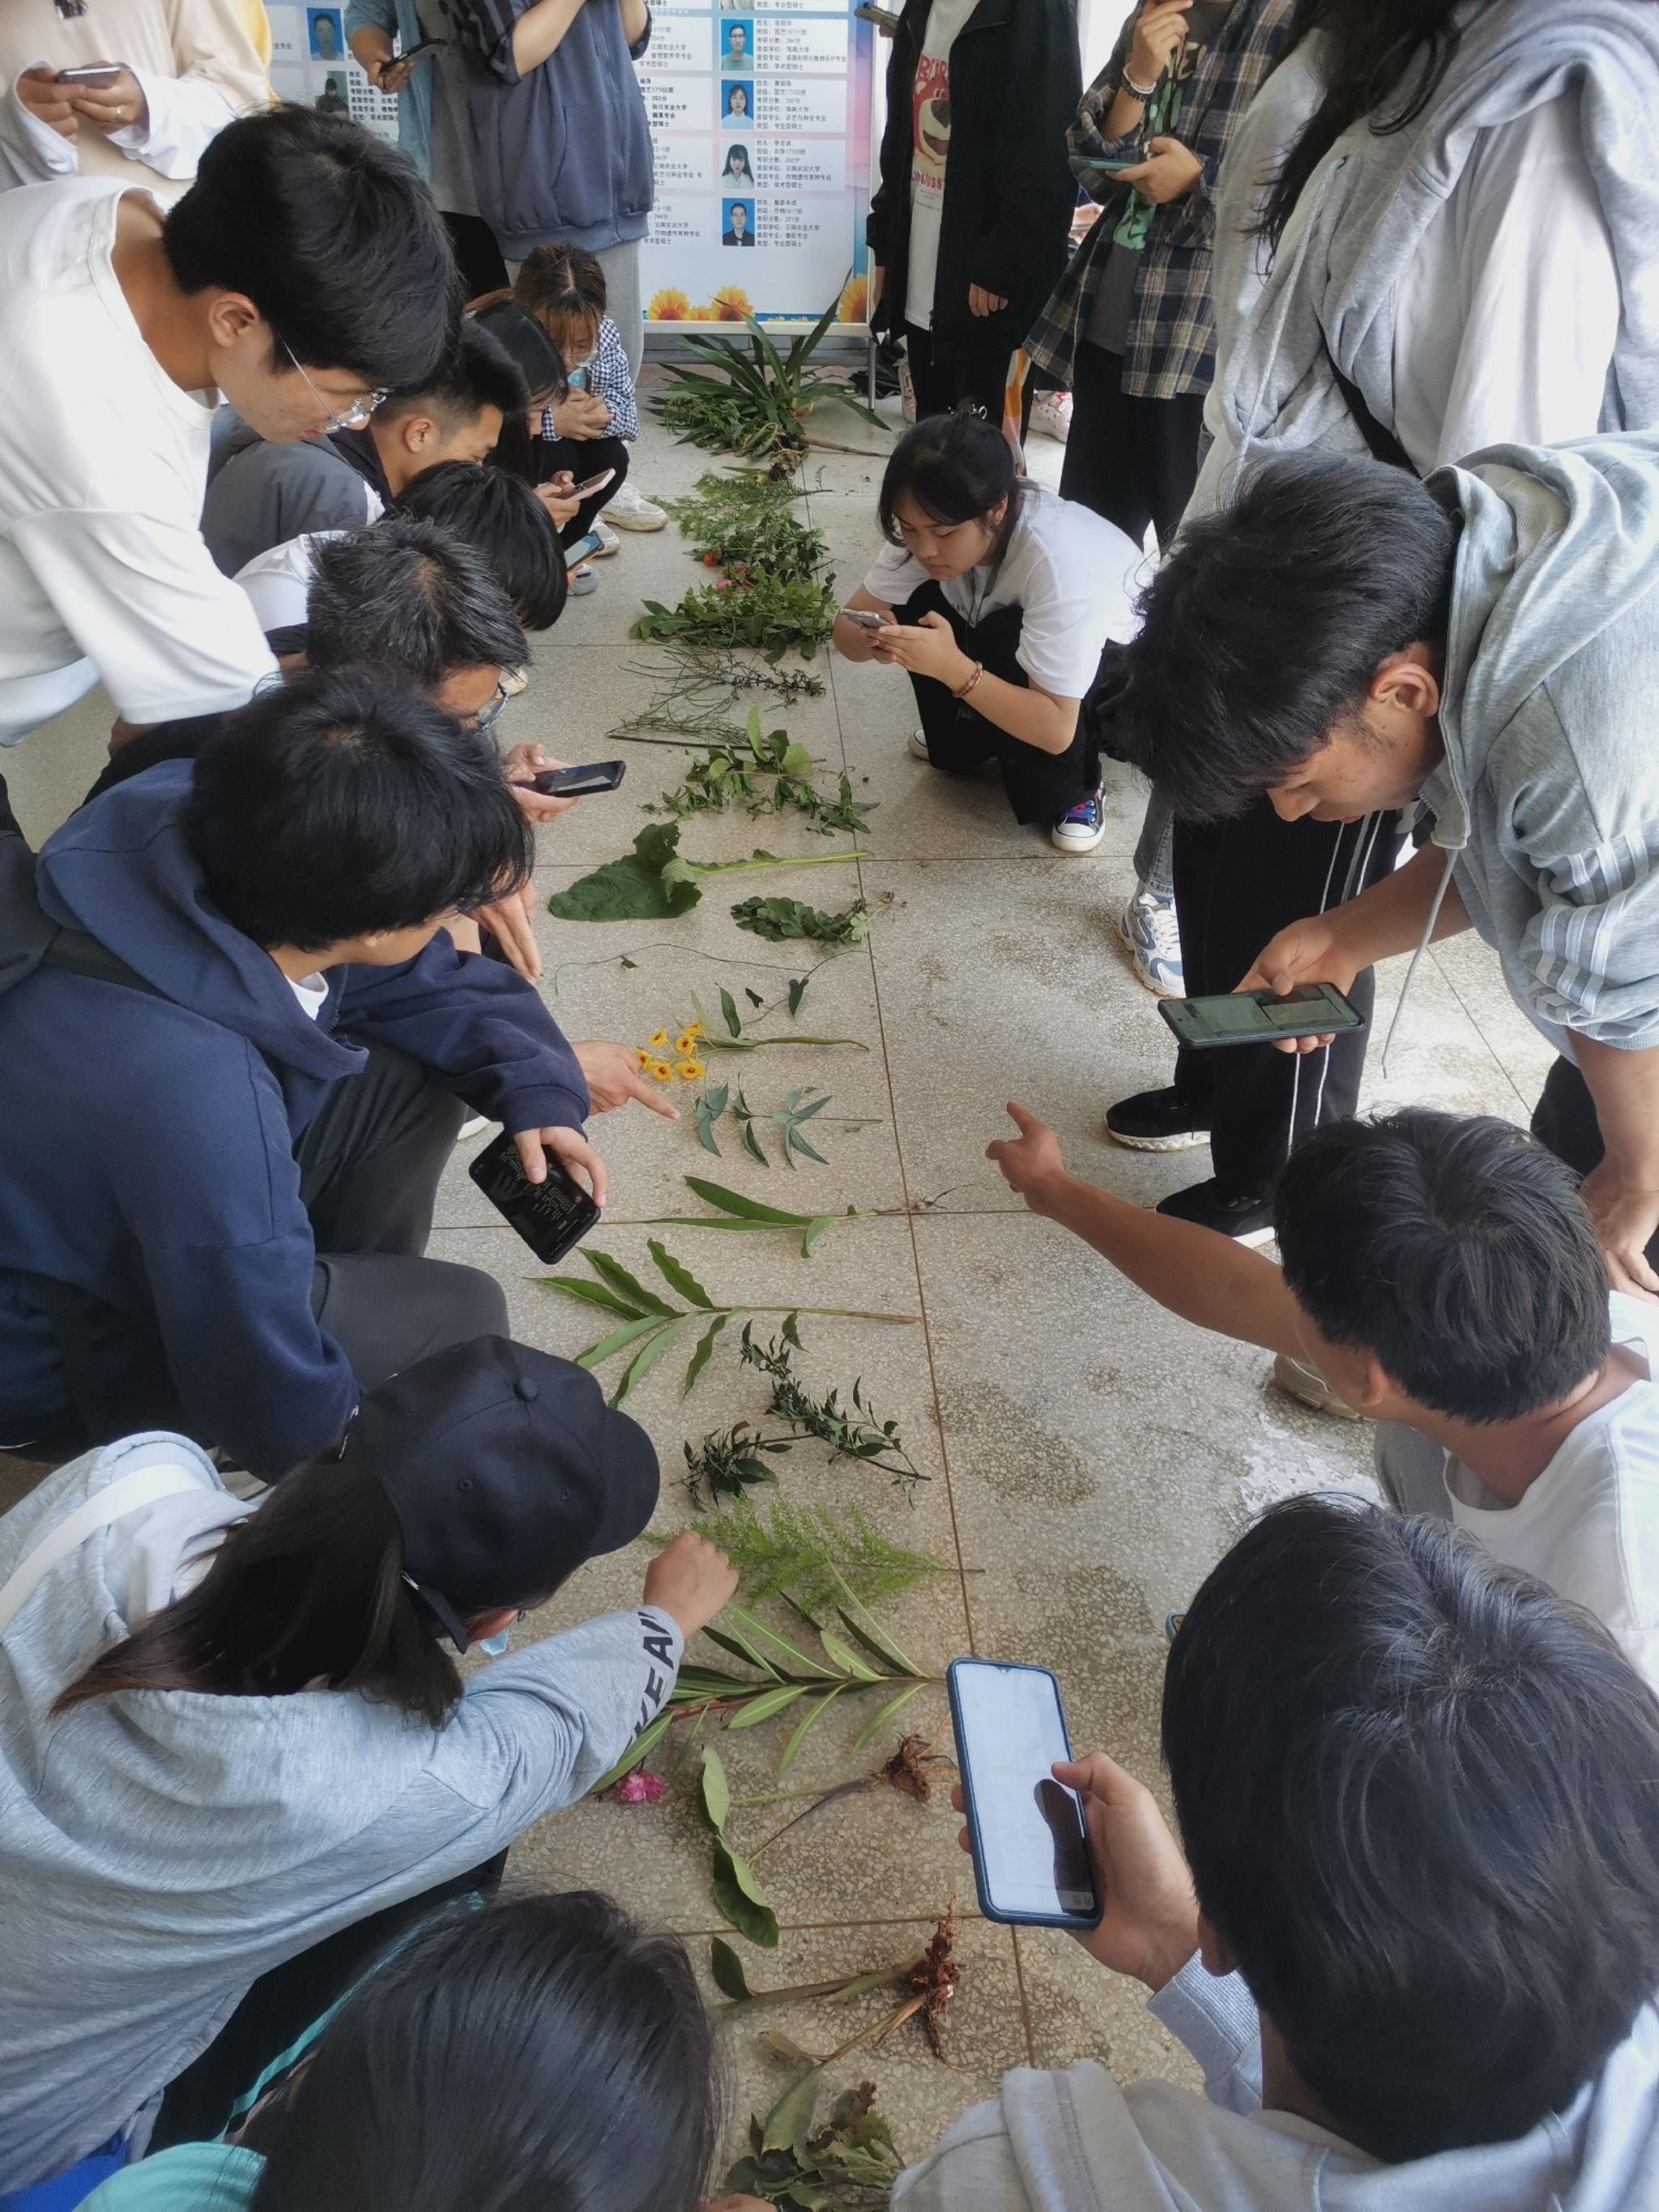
x: 956, y: 468
x: 545, y: 2055
x: 1372, y: 54
x: 517, y: 332
x: 308, y: 1587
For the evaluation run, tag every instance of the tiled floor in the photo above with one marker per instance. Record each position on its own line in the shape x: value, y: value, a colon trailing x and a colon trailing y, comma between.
x: 1087, y: 1456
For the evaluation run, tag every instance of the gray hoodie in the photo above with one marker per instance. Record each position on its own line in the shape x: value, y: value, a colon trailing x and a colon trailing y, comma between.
x: 1548, y: 800
x: 161, y: 1849
x: 1076, y: 2143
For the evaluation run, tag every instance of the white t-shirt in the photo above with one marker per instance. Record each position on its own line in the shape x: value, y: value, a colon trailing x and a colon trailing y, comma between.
x: 103, y: 466
x: 930, y: 146
x: 1588, y: 1525
x: 1074, y: 574
x: 312, y: 991
x: 278, y: 581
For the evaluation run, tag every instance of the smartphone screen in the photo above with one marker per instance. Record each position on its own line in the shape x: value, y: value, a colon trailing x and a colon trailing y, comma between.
x: 551, y: 1217
x: 1258, y: 1017
x: 1030, y: 1854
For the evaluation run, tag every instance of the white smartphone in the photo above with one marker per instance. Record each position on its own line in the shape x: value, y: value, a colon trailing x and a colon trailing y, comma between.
x: 594, y: 483
x: 1032, y: 1864
x: 866, y: 618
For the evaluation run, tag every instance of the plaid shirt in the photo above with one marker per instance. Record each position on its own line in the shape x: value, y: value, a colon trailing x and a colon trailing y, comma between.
x: 608, y: 379
x: 1171, y: 347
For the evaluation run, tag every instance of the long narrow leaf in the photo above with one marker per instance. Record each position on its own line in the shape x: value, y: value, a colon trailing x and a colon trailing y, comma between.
x: 650, y: 1326
x: 797, y: 1735
x: 868, y: 1630
x: 700, y: 1357
x: 895, y: 1705
x: 769, y: 1702
x: 762, y: 1634
x: 732, y: 1202
x: 740, y: 1648
x: 647, y: 1358
x: 642, y: 1747
x: 679, y: 1276
x: 847, y: 1661
x: 613, y: 1274
x: 593, y: 1294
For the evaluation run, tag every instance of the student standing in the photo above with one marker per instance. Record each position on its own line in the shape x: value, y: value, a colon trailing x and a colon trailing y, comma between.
x: 997, y: 599
x: 285, y: 1664
x: 963, y: 253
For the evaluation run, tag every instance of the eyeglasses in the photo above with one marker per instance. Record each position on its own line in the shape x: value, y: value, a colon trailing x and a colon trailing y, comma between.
x: 349, y: 418
x: 489, y: 713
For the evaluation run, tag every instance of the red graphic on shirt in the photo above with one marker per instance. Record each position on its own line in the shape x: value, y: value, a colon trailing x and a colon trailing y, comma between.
x: 930, y: 124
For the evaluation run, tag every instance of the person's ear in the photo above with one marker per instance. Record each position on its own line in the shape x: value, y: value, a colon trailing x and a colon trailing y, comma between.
x: 1373, y: 1390
x: 231, y: 316
x: 1407, y: 680
x: 417, y: 433
x: 1214, y: 1949
x: 491, y: 1624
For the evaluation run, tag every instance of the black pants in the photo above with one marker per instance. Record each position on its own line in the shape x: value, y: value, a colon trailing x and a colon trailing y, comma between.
x: 1564, y: 1123
x: 1041, y: 786
x: 1134, y: 460
x: 202, y: 2101
x: 979, y: 373
x: 476, y: 255
x: 369, y: 1164
x: 584, y: 458
x: 1237, y: 883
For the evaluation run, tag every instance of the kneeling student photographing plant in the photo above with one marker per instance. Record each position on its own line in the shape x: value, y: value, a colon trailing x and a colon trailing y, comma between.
x: 997, y: 598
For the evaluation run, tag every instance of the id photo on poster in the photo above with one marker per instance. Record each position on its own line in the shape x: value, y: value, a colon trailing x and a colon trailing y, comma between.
x: 737, y: 170
x: 736, y: 44
x: 738, y: 223
x: 737, y: 103
x: 325, y: 34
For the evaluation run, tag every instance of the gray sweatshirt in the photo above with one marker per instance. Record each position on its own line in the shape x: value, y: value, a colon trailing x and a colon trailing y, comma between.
x: 1076, y: 2143
x: 161, y: 1849
x: 1548, y: 800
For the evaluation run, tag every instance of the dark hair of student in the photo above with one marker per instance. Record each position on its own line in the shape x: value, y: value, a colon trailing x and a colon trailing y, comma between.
x: 515, y: 329
x: 563, y: 286
x: 735, y: 92
x: 477, y: 372
x: 1456, y: 1251
x: 412, y: 601
x: 333, y: 806
x: 332, y: 235
x: 309, y: 1588
x: 1386, y: 63
x: 542, y: 2054
x: 743, y: 169
x: 1420, y: 1796
x: 1264, y: 623
x: 955, y: 468
x: 500, y: 517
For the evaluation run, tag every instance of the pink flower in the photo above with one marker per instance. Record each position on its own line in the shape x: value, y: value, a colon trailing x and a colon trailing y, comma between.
x: 722, y: 583
x: 638, y: 1788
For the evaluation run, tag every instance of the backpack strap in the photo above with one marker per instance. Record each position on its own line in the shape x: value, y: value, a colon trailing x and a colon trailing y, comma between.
x: 132, y: 1494
x: 79, y: 953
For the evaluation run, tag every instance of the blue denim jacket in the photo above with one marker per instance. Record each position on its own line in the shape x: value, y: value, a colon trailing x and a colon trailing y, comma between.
x: 401, y: 20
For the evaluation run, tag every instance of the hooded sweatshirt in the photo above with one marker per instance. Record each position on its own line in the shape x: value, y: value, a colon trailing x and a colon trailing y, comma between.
x: 159, y: 1849
x: 148, y: 1141
x: 1547, y: 802
x: 1076, y: 2143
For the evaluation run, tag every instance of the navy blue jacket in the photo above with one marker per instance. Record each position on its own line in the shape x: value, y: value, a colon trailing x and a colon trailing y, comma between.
x: 147, y: 1144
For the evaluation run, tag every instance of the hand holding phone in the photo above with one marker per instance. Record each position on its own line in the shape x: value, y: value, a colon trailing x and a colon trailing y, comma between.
x: 551, y: 1216
x: 594, y: 483
x: 1031, y: 1852
x: 1311, y: 1011
x: 866, y: 618
x: 103, y: 73
x: 1110, y: 166
x: 883, y: 18
x: 577, y: 782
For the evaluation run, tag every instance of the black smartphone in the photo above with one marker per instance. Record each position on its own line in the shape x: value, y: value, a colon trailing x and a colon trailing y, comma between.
x: 1109, y: 165
x: 867, y: 12
x: 577, y: 782
x: 551, y: 1217
x: 422, y: 47
x: 1258, y: 1017
x: 90, y: 73
x: 1032, y: 1865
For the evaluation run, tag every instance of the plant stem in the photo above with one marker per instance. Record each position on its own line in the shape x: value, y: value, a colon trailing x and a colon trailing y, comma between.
x: 776, y: 860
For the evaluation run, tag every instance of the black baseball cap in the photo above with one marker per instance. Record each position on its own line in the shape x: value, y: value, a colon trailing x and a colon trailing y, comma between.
x: 505, y: 1469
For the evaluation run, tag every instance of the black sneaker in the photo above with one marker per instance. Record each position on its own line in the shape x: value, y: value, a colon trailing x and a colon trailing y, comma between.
x: 1247, y: 1220
x: 1157, y: 1121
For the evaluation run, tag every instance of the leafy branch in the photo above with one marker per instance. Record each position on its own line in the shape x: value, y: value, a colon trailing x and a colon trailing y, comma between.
x: 734, y: 1037
x: 797, y: 1109
x: 653, y: 882
x: 735, y: 768
x: 744, y: 518
x: 695, y: 696
x: 849, y: 2165
x: 648, y: 1325
x: 781, y: 918
x: 772, y: 615
x: 729, y: 1461
x: 757, y: 404
x: 747, y: 1215
x: 802, y: 1553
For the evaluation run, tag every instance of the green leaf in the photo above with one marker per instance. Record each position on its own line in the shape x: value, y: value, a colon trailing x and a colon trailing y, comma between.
x: 700, y: 1357
x: 770, y: 1702
x: 641, y: 1749
x: 791, y: 1331
x: 751, y: 1144
x: 753, y: 997
x: 847, y: 1660
x: 733, y: 1202
x: 873, y: 1637
x: 735, y: 1890
x: 797, y: 992
x: 818, y: 1707
x: 647, y: 1358
x: 629, y: 1333
x: 705, y: 1121
x: 816, y: 1227
x: 678, y: 1277
x: 714, y: 1790
x: 726, y: 1969
x: 574, y: 1286
x: 740, y: 1648
x: 895, y: 1705
x: 729, y: 1009
x: 612, y: 1272
x: 633, y: 889
x: 789, y: 2120
x: 763, y: 1635
x: 627, y: 962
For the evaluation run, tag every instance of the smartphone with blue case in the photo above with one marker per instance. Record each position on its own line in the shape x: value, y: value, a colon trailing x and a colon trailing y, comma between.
x: 1032, y: 1864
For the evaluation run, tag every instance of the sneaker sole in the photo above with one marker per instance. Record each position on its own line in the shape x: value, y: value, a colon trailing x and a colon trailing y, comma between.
x: 1313, y: 1396
x: 618, y: 523
x: 1069, y: 847
x: 1132, y: 954
x: 1251, y: 1238
x: 1187, y: 1142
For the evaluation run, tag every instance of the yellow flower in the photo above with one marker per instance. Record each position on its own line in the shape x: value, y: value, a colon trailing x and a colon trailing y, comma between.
x: 643, y: 1057
x: 688, y: 1070
x: 854, y: 301
x: 686, y: 1041
x: 729, y: 304
x: 694, y: 1029
x: 669, y: 306
x: 661, y: 1072
x: 658, y: 1038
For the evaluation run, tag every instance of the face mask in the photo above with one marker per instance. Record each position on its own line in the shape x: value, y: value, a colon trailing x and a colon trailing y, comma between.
x: 494, y: 1645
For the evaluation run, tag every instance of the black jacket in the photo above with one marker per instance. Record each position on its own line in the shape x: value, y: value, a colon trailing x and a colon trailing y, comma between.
x: 1016, y: 79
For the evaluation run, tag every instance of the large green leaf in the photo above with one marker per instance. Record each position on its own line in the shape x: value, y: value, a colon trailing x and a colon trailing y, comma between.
x: 737, y: 1894
x: 758, y: 1631
x: 700, y: 1357
x: 612, y: 1272
x: 715, y: 1790
x: 790, y: 2119
x: 729, y: 1640
x: 629, y: 1333
x: 726, y: 1969
x: 732, y: 1202
x: 677, y: 1276
x: 842, y: 1655
x: 895, y: 1706
x: 634, y: 889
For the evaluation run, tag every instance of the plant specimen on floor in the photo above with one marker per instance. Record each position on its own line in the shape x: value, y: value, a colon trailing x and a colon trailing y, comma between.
x: 744, y: 518
x: 766, y: 773
x: 758, y: 403
x: 774, y: 614
x: 847, y: 2164
x: 743, y: 1215
x: 728, y: 1462
x: 789, y: 1120
x: 649, y: 1325
x: 652, y: 883
x: 806, y: 1555
x: 780, y: 918
x: 696, y: 695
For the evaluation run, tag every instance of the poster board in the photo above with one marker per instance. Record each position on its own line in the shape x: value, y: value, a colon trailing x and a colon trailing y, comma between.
x: 761, y: 116
x: 311, y: 67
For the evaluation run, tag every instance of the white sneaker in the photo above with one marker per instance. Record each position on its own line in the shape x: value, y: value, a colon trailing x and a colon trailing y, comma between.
x: 1051, y: 413
x: 917, y: 744
x: 632, y: 510
x: 580, y: 582
x: 1308, y: 1387
x: 1082, y: 829
x: 513, y: 680
x: 1149, y: 933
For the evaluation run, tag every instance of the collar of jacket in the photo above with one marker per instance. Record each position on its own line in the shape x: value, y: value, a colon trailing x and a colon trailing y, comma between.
x: 989, y: 15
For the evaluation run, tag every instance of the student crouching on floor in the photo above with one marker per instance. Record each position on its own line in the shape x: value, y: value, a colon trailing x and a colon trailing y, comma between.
x: 229, y: 1731
x: 997, y: 598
